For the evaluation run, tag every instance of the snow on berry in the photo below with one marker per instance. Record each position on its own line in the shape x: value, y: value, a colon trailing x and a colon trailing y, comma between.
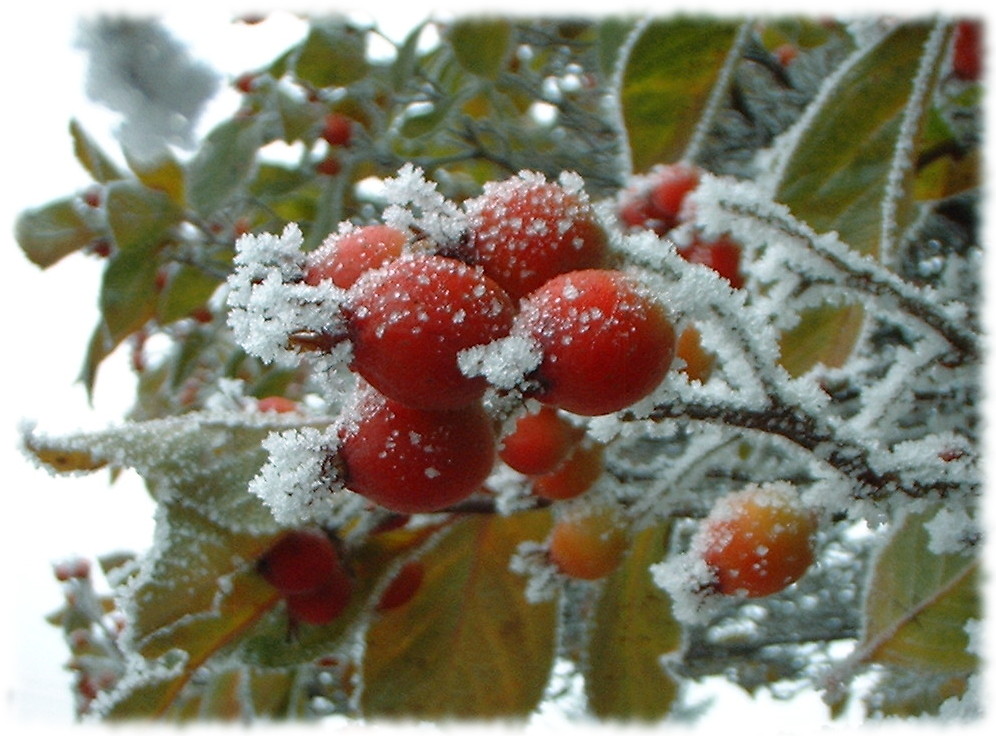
x: 606, y: 341
x: 525, y: 230
x: 409, y: 320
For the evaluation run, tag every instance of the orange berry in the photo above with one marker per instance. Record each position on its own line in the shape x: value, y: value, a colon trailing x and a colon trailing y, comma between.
x: 757, y: 541
x: 575, y: 476
x: 698, y: 363
x: 539, y: 442
x: 589, y: 545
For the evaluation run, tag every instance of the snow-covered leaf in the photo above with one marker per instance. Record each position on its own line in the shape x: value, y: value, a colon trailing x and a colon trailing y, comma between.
x: 668, y: 82
x: 223, y: 164
x: 918, y: 604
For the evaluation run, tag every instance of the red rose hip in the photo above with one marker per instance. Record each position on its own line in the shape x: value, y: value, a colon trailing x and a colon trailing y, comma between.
x: 606, y: 342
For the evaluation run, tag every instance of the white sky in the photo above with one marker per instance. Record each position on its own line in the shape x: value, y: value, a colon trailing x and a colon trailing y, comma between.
x: 48, y: 316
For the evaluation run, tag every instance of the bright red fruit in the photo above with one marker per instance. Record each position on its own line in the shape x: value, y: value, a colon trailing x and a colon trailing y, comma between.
x: 757, y: 541
x: 322, y: 605
x: 403, y: 587
x: 721, y: 255
x: 966, y: 58
x: 525, y: 230
x: 574, y: 476
x: 342, y: 259
x: 658, y: 205
x: 413, y: 460
x: 539, y: 442
x: 409, y: 320
x: 606, y: 342
x: 300, y: 561
x: 337, y: 129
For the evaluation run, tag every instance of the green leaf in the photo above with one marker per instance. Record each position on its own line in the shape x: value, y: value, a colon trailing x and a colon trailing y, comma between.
x: 612, y: 33
x: 825, y: 335
x: 94, y: 160
x: 128, y: 292
x: 223, y: 164
x: 918, y: 604
x: 51, y: 232
x: 480, y: 45
x: 633, y: 628
x: 837, y: 175
x: 139, y: 218
x: 187, y: 290
x: 332, y: 55
x: 669, y: 77
x: 404, y: 63
x: 164, y: 174
x: 469, y: 644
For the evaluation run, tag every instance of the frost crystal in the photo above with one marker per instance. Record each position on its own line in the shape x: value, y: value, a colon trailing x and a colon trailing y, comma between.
x: 300, y: 483
x: 504, y: 362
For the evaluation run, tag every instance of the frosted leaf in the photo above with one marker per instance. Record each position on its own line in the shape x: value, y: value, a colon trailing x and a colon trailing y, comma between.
x: 300, y: 482
x: 950, y: 529
x: 530, y: 560
x: 139, y: 673
x: 504, y: 363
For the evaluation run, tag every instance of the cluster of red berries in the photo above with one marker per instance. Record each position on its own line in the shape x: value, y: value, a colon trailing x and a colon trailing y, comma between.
x: 307, y: 569
x: 533, y: 265
x: 660, y: 203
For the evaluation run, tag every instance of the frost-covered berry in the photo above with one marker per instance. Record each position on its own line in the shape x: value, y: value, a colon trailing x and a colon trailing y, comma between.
x: 343, y: 258
x: 413, y: 460
x: 525, y: 230
x: 606, y: 342
x: 588, y: 544
x: 721, y: 255
x: 757, y: 541
x: 539, y: 442
x: 301, y: 560
x: 409, y: 320
x: 657, y: 204
x: 574, y: 476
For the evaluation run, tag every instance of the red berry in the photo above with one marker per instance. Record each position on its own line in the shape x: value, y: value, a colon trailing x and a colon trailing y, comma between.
x: 245, y: 82
x: 966, y: 58
x: 276, y: 404
x: 525, y: 230
x: 757, y: 541
x: 342, y: 259
x: 786, y: 53
x: 606, y: 342
x: 329, y: 166
x: 300, y: 561
x: 75, y: 568
x: 721, y: 255
x: 575, y: 476
x: 413, y: 460
x: 337, y: 129
x: 671, y: 184
x: 403, y: 587
x: 409, y: 320
x: 588, y: 545
x: 322, y: 605
x: 539, y: 442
